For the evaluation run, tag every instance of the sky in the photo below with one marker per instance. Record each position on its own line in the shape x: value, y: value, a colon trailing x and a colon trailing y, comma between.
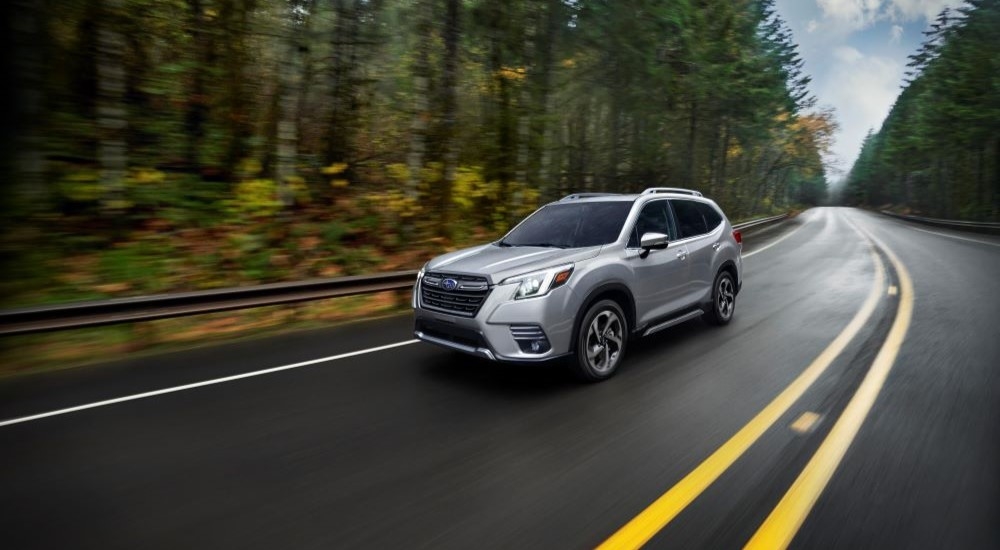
x: 856, y: 52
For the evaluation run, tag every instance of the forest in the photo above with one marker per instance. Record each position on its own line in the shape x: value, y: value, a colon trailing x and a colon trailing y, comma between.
x: 169, y: 145
x: 938, y: 151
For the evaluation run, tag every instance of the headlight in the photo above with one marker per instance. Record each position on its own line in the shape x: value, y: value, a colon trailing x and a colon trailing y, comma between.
x: 539, y: 283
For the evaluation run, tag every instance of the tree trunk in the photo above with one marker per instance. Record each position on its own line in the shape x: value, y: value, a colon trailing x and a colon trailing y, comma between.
x: 29, y: 68
x: 421, y: 105
x: 524, y: 105
x: 996, y: 179
x: 307, y: 45
x: 449, y: 105
x: 196, y: 96
x: 692, y: 136
x: 713, y: 152
x: 614, y: 145
x: 235, y: 17
x: 543, y: 127
x: 981, y: 181
x: 500, y: 164
x: 112, y: 121
x: 721, y: 187
x: 342, y: 82
x: 290, y: 73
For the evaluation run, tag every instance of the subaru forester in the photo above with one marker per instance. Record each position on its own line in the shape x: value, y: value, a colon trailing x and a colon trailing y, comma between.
x: 581, y: 276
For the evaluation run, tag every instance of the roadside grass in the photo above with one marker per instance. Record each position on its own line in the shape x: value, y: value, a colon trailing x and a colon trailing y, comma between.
x: 33, y: 353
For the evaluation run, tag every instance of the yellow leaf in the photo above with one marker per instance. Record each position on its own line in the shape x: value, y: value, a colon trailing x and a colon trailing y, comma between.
x: 335, y: 168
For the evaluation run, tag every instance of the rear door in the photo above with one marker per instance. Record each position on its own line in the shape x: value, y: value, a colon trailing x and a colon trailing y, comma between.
x: 697, y: 235
x: 660, y: 275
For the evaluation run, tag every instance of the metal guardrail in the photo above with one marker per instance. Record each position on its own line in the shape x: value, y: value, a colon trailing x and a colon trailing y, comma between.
x: 759, y: 222
x: 164, y: 306
x: 981, y: 227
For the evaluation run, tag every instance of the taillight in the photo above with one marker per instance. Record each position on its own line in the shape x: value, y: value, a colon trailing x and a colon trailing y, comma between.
x: 738, y: 236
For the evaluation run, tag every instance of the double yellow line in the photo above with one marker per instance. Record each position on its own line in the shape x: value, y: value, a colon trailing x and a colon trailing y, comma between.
x: 780, y: 527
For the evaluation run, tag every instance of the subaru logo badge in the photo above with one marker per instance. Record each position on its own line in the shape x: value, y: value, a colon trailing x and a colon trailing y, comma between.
x: 449, y: 284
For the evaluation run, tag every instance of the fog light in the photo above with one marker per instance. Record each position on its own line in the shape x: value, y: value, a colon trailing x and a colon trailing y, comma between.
x: 540, y: 345
x: 530, y: 338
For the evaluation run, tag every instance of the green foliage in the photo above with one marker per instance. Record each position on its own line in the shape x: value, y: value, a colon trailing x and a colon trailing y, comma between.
x: 333, y: 234
x: 270, y: 140
x: 254, y: 199
x: 356, y: 261
x: 938, y: 151
x: 140, y: 267
x: 472, y: 191
x: 83, y: 186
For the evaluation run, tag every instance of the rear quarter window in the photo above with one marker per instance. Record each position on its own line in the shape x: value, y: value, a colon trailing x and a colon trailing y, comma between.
x: 711, y: 215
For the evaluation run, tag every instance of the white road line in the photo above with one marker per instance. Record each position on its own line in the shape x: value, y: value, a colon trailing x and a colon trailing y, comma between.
x: 201, y: 384
x: 952, y: 236
x: 785, y: 236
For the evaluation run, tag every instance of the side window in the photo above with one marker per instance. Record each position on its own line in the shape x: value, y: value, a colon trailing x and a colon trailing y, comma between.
x: 652, y: 218
x: 689, y: 218
x: 712, y: 216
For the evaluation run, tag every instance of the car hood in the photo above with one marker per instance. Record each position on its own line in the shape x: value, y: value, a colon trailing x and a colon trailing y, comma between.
x: 497, y: 263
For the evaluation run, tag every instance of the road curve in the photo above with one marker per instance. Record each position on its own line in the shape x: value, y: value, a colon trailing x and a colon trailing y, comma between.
x: 413, y: 446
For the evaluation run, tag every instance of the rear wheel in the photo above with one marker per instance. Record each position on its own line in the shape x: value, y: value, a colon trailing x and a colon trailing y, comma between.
x: 723, y: 300
x: 601, y: 340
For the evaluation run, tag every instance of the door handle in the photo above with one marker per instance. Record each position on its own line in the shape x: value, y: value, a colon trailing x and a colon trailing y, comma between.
x: 716, y: 245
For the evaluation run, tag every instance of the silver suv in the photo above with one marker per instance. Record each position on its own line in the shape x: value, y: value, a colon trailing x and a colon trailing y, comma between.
x: 580, y: 276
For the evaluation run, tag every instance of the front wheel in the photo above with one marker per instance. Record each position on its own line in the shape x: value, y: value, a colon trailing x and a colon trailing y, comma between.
x: 600, y: 342
x: 723, y: 300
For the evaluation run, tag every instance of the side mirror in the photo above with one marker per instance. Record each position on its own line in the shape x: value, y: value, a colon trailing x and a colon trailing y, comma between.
x: 653, y: 241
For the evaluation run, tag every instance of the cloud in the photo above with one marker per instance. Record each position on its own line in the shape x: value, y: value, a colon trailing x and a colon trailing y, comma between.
x: 862, y: 89
x: 895, y: 34
x: 860, y: 14
x: 847, y: 54
x: 855, y: 51
x: 910, y: 10
x: 857, y: 14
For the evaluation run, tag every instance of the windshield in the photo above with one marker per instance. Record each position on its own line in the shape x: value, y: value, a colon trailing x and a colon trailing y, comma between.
x: 571, y: 225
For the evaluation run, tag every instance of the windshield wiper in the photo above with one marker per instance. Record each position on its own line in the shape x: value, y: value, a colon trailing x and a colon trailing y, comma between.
x: 503, y: 244
x: 545, y: 245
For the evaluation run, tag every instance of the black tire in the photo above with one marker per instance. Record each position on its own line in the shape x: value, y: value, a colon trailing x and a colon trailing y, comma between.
x: 723, y: 305
x: 600, y: 341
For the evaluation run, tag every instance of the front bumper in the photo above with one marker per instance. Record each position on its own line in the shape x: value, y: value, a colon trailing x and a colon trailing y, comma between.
x: 445, y: 336
x: 489, y: 333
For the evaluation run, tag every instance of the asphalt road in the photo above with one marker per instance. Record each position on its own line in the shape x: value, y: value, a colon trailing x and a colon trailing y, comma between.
x: 417, y: 447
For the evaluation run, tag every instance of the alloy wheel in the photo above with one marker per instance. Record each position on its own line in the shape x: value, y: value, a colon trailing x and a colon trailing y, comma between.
x: 604, y: 341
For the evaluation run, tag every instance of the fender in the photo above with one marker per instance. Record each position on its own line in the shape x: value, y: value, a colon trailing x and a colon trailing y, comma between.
x: 731, y: 267
x: 592, y: 296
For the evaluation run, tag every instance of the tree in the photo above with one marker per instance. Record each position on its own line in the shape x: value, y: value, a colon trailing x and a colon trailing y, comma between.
x: 111, y: 113
x: 938, y: 150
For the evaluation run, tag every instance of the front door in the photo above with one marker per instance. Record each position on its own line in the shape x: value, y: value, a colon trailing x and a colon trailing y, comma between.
x: 660, y: 275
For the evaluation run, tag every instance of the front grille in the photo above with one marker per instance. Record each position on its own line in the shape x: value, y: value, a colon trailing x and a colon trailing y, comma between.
x: 464, y: 297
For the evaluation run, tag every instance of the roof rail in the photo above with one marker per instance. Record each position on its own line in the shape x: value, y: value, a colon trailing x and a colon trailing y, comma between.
x: 653, y: 190
x: 586, y: 195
